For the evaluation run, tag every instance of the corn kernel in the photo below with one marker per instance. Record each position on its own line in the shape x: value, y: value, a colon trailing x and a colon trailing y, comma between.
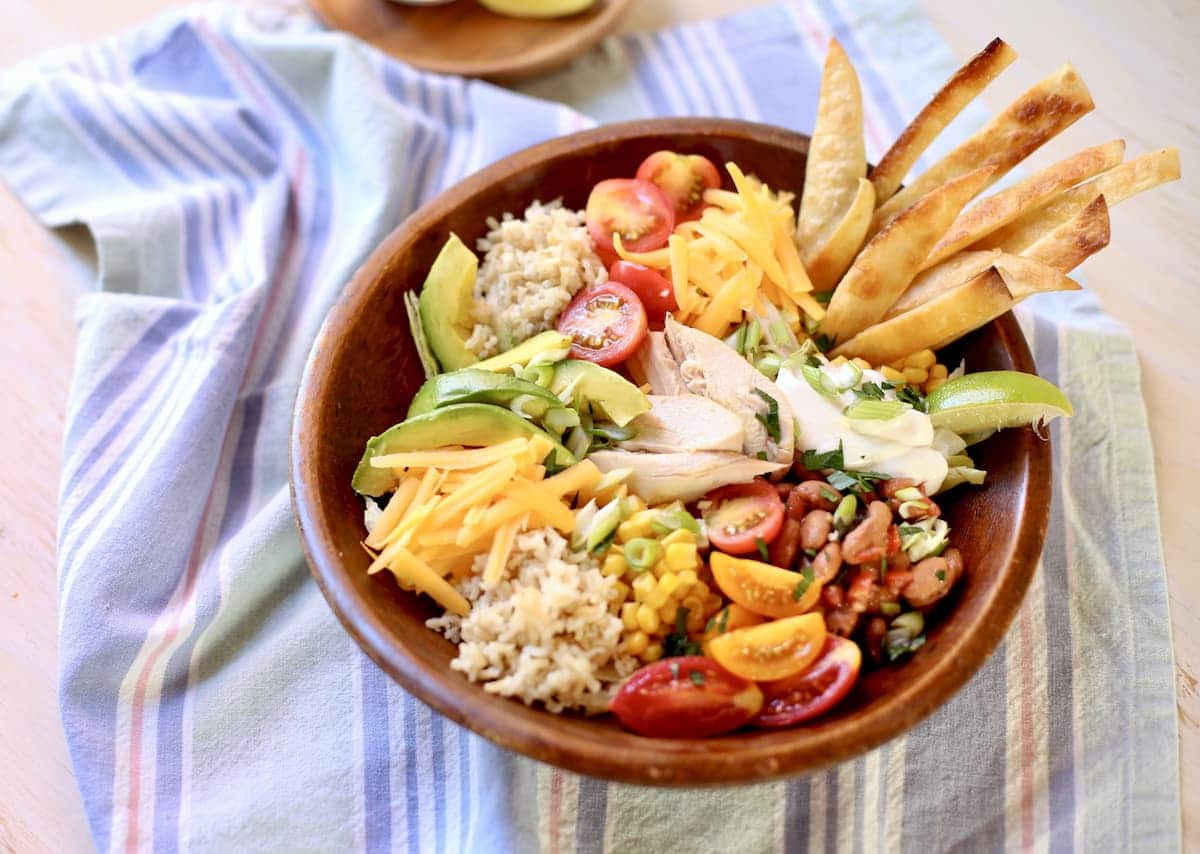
x: 862, y: 363
x: 614, y: 564
x: 695, y: 621
x: 643, y: 586
x: 713, y: 603
x: 921, y: 359
x: 634, y: 504
x: 694, y: 605
x: 636, y: 643
x: 657, y: 597
x: 915, y: 376
x: 838, y: 360
x: 667, y: 612
x: 688, y: 579
x: 629, y: 615
x: 681, y: 556
x: 934, y: 384
x: 891, y: 374
x: 647, y: 619
x: 637, y: 525
x: 653, y: 652
x: 679, y: 535
x: 622, y: 591
x: 939, y: 372
x: 669, y: 583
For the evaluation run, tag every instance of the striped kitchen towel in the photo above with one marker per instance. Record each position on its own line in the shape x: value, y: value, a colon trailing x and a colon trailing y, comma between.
x: 235, y: 166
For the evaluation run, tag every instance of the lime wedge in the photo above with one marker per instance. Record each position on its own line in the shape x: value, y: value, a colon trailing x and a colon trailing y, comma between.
x: 993, y: 400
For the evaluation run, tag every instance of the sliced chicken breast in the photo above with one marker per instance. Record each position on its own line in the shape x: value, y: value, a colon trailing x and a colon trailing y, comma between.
x: 686, y: 422
x: 659, y: 478
x: 653, y: 363
x: 714, y: 369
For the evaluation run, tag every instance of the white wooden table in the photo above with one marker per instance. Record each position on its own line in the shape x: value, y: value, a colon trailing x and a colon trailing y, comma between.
x: 1142, y: 68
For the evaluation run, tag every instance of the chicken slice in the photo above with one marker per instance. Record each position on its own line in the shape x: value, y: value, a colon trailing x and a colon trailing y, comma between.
x: 714, y: 369
x: 653, y: 363
x: 686, y: 422
x: 661, y: 478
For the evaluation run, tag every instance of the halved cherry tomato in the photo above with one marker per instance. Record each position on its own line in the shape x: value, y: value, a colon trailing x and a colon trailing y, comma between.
x: 762, y: 588
x: 606, y: 323
x: 636, y: 209
x: 656, y: 293
x: 685, y: 697
x: 774, y: 650
x: 742, y: 514
x: 683, y: 178
x: 813, y: 691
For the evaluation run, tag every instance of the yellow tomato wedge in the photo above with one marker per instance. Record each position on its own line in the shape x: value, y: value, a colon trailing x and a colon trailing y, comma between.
x: 730, y: 618
x: 762, y: 588
x: 774, y: 650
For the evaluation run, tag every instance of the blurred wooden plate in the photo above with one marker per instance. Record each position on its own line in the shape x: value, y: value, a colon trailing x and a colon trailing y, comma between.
x: 464, y: 38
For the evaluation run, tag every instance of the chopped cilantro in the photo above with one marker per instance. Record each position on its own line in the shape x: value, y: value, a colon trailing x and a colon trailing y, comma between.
x: 771, y: 420
x: 824, y: 342
x: 823, y: 297
x: 813, y: 362
x: 883, y: 565
x: 869, y: 391
x: 806, y: 579
x: 910, y: 530
x: 908, y: 394
x: 677, y: 643
x: 723, y: 621
x: 856, y: 481
x: 829, y: 494
x: 941, y: 575
x: 763, y: 552
x: 828, y: 460
x: 762, y: 455
x: 811, y: 552
x: 696, y: 676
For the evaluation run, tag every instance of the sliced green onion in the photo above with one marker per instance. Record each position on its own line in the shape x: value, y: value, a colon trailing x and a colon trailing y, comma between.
x: 816, y: 378
x: 560, y: 419
x: 910, y: 493
x: 913, y: 509
x: 912, y: 622
x: 642, y: 553
x: 876, y: 410
x: 612, y: 432
x: 843, y: 516
x: 889, y: 609
x: 672, y: 520
x: 579, y: 442
x: 769, y: 365
x: 845, y: 376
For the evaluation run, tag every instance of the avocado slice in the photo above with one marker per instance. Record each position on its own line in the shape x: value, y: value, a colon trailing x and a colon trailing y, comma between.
x: 551, y: 344
x: 472, y: 385
x: 445, y: 304
x: 537, y: 8
x: 471, y: 424
x: 620, y: 400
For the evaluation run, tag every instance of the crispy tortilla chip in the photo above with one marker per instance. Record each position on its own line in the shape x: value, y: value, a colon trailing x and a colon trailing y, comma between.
x: 957, y: 270
x: 829, y: 262
x: 998, y: 210
x: 960, y: 90
x: 1074, y: 241
x: 1116, y: 185
x: 951, y: 315
x: 837, y: 157
x: 886, y: 266
x: 1035, y: 117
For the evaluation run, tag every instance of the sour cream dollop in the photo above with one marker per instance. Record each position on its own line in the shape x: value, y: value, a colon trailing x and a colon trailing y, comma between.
x: 898, y: 447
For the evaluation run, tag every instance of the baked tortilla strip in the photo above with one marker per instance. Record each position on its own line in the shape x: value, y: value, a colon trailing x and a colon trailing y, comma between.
x: 829, y: 262
x: 1116, y: 185
x: 1038, y: 115
x: 949, y: 316
x: 886, y: 266
x: 1074, y: 241
x: 950, y: 100
x: 837, y: 155
x: 946, y: 276
x: 998, y: 210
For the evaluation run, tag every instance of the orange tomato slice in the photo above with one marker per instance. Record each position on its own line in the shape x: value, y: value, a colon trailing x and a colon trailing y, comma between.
x: 730, y: 618
x: 774, y: 650
x: 762, y: 588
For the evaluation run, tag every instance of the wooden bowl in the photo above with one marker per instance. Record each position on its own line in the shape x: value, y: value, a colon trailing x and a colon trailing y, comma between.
x: 363, y: 370
x: 465, y: 38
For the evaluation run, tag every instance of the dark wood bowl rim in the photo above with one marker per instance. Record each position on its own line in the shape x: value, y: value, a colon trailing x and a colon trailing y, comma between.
x: 887, y: 717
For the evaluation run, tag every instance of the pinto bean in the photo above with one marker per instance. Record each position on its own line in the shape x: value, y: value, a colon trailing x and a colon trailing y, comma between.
x: 815, y: 528
x: 898, y: 561
x: 889, y: 488
x: 869, y: 539
x: 795, y: 504
x: 896, y: 580
x: 786, y: 545
x: 833, y: 597
x: 932, y: 579
x: 818, y: 494
x: 841, y: 621
x: 874, y: 636
x: 783, y: 490
x: 827, y: 563
x: 861, y: 592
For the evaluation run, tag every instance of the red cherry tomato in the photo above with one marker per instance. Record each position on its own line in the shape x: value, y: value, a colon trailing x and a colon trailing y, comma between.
x: 686, y: 697
x: 683, y: 178
x: 606, y: 323
x: 638, y: 210
x: 743, y: 514
x: 656, y: 293
x: 815, y: 690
